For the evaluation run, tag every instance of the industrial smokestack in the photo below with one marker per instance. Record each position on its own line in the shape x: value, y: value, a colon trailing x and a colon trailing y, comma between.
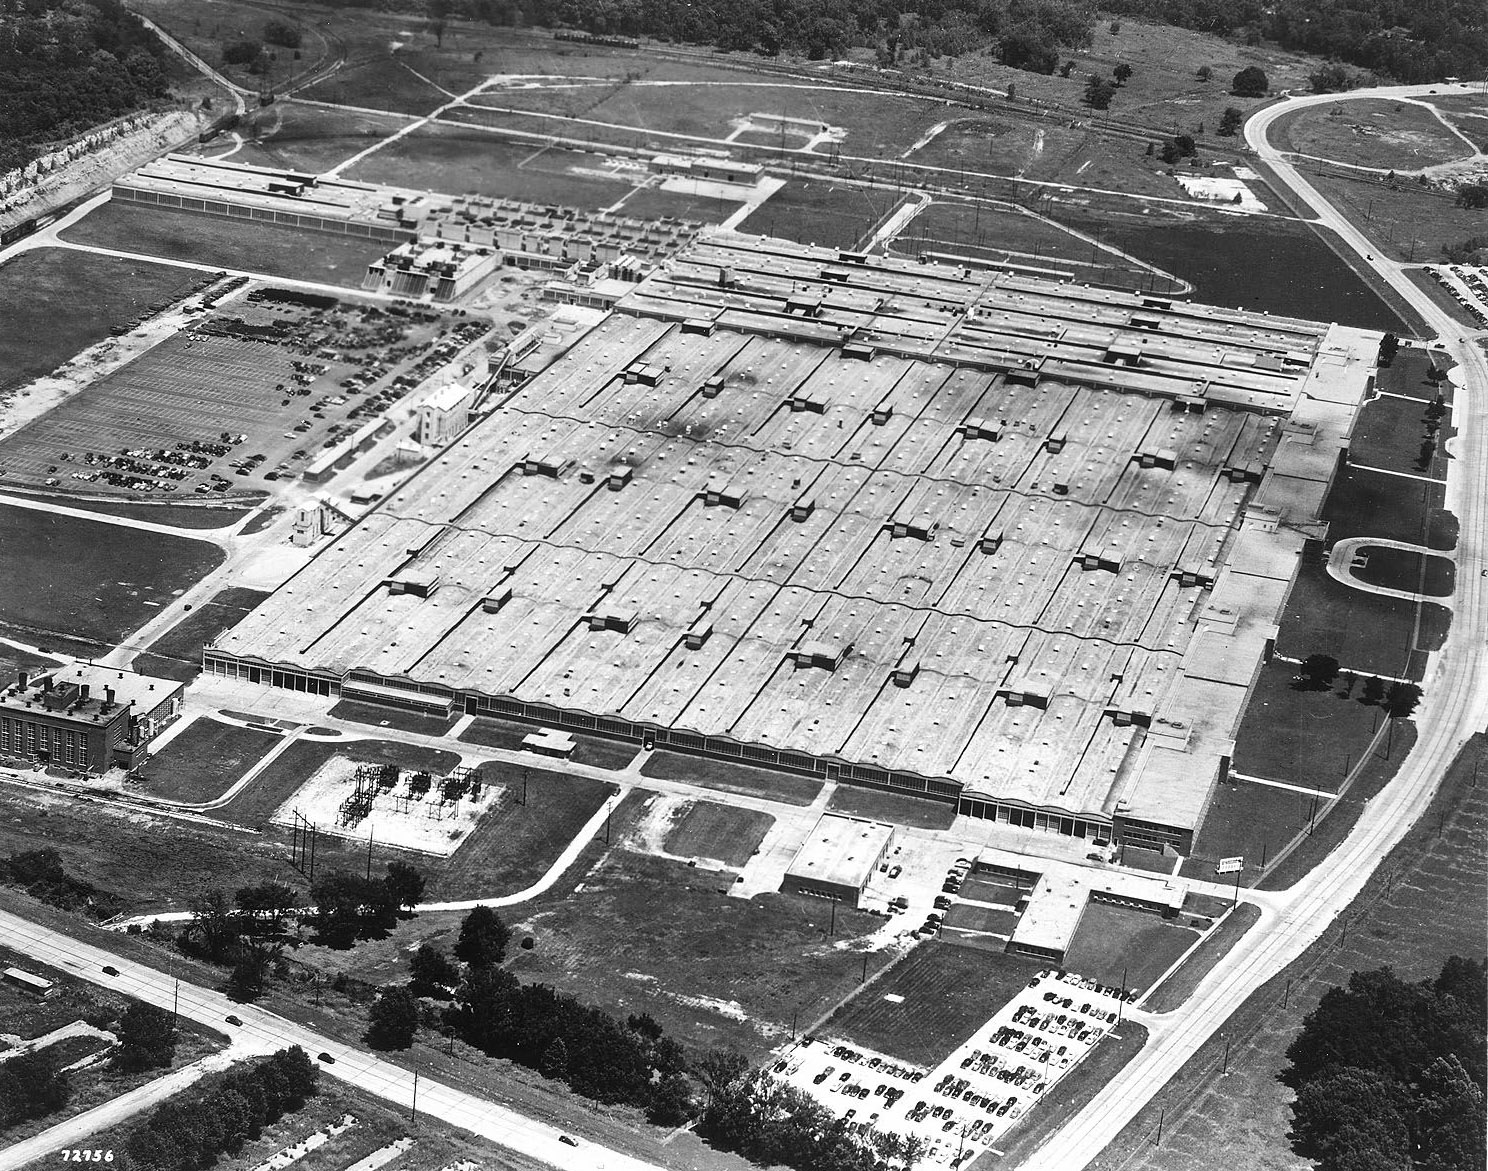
x: 22, y: 680
x: 83, y: 690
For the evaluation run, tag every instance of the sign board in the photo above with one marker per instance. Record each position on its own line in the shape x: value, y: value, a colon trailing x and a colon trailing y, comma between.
x: 1229, y: 865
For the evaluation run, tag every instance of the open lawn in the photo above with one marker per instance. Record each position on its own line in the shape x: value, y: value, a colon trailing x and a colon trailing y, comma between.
x: 1371, y: 132
x: 1305, y: 738
x: 456, y: 158
x: 1250, y: 821
x: 1362, y: 503
x: 1389, y: 433
x: 1367, y: 633
x: 898, y: 808
x: 176, y: 654
x: 820, y: 211
x: 646, y: 934
x: 381, y: 83
x: 297, y: 763
x: 652, y: 203
x: 1400, y: 569
x: 599, y: 751
x: 981, y: 921
x: 204, y: 759
x: 949, y: 992
x: 218, y: 242
x: 55, y: 302
x: 206, y: 31
x: 1245, y: 262
x: 1114, y: 942
x: 181, y: 516
x: 790, y: 788
x: 1427, y: 900
x: 1407, y: 375
x: 84, y: 579
x: 514, y: 845
x: 378, y: 716
x: 719, y: 832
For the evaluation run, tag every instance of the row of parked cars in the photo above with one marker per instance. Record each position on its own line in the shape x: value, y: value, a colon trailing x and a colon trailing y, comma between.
x: 1470, y: 278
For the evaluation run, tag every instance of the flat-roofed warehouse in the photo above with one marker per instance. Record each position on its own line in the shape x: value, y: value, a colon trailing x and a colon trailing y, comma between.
x: 1008, y: 542
x: 838, y: 859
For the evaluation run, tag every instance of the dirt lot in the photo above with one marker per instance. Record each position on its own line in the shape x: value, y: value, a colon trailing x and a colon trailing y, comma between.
x: 55, y: 302
x: 949, y: 992
x: 64, y: 578
x: 1428, y: 900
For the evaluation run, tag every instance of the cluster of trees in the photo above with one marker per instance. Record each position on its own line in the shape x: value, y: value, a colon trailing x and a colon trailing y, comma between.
x: 349, y: 906
x: 1100, y: 90
x: 779, y: 1125
x: 1403, y: 39
x: 277, y: 32
x: 1319, y: 673
x: 190, y: 1132
x: 66, y: 66
x: 1250, y: 82
x: 1473, y: 196
x: 1391, y: 1074
x: 147, y: 1038
x: 31, y: 1086
x: 40, y: 872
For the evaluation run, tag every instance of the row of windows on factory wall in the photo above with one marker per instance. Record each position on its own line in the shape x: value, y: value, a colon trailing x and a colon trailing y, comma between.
x: 1050, y: 823
x: 289, y: 680
x: 28, y: 739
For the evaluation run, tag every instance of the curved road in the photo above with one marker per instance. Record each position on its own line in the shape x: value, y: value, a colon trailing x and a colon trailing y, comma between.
x: 1455, y: 706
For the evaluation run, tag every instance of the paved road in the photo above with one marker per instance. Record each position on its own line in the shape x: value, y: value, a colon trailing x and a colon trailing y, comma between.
x: 1455, y: 706
x: 264, y: 1032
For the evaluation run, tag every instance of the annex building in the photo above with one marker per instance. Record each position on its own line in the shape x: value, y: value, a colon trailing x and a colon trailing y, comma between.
x: 85, y: 716
x: 838, y: 859
x: 1016, y: 544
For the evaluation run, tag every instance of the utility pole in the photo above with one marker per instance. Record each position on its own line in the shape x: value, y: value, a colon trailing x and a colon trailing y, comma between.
x: 1287, y: 995
x: 413, y: 1115
x: 1224, y: 1068
x: 369, y: 853
x: 1161, y: 1114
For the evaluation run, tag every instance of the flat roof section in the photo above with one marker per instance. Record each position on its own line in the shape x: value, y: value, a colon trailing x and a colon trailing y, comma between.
x: 841, y: 851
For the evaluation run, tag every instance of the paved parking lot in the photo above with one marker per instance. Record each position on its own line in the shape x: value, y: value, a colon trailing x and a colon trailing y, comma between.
x: 981, y: 1090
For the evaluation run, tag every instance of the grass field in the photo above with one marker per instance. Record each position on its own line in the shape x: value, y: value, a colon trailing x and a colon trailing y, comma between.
x: 1400, y: 569
x: 87, y: 580
x: 455, y: 158
x: 1367, y: 633
x: 599, y: 751
x: 298, y: 137
x: 176, y: 654
x: 378, y: 716
x: 1303, y: 737
x: 218, y: 242
x: 647, y: 934
x: 820, y: 211
x: 1427, y: 900
x: 181, y: 516
x: 55, y: 302
x: 1371, y: 132
x: 1406, y: 221
x: 1114, y: 942
x: 652, y: 203
x: 1388, y: 435
x: 514, y: 846
x: 895, y: 807
x: 204, y: 759
x: 980, y: 920
x: 1362, y: 503
x: 949, y: 992
x: 1407, y: 375
x: 1246, y: 263
x: 720, y: 832
x: 732, y: 778
x: 1250, y: 821
x: 206, y: 31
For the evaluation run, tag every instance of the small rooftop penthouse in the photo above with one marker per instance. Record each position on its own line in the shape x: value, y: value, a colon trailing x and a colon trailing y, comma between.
x: 845, y: 527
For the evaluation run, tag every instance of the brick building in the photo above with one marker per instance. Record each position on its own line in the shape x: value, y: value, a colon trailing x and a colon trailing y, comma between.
x: 85, y: 716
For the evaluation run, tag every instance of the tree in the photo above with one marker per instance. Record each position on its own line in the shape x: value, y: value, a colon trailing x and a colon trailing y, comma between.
x: 1028, y: 50
x: 1449, y: 1117
x: 1373, y: 692
x: 1316, y: 673
x: 718, y: 1069
x: 1122, y: 73
x: 1350, y: 1113
x: 1067, y: 68
x: 277, y: 32
x: 1473, y: 196
x: 241, y: 52
x: 405, y: 885
x: 214, y: 923
x: 1230, y: 122
x: 348, y: 906
x: 1098, y: 92
x: 1331, y: 78
x: 147, y: 1037
x: 393, y: 1019
x: 266, y: 905
x: 432, y: 974
x: 31, y: 1086
x: 1401, y: 699
x: 483, y: 939
x: 671, y: 1102
x: 554, y: 1063
x: 1204, y: 73
x: 1389, y: 347
x: 1250, y: 82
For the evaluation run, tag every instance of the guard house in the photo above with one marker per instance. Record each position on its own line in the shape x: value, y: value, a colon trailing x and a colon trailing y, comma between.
x: 838, y: 859
x: 85, y: 716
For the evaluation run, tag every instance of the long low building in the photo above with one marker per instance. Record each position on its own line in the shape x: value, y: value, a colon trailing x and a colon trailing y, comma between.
x: 1040, y: 591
